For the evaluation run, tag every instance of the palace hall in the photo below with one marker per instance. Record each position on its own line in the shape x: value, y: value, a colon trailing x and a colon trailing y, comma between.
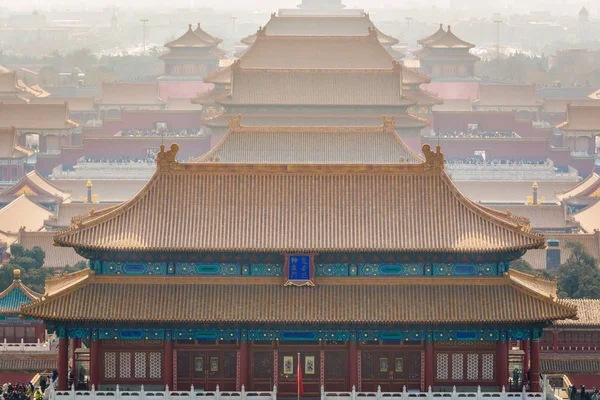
x: 338, y: 245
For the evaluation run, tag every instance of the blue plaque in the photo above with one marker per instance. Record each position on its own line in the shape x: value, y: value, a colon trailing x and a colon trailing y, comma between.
x: 299, y: 270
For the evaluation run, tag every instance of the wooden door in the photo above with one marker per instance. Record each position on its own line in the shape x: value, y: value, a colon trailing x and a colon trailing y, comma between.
x: 336, y: 370
x: 390, y: 369
x: 311, y: 370
x: 206, y: 369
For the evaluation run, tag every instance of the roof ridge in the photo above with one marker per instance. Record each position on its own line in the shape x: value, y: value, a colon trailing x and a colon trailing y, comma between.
x: 532, y: 291
x: 17, y: 284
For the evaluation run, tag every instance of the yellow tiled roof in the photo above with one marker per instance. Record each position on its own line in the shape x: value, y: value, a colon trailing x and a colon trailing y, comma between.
x: 265, y: 300
x: 299, y: 207
x: 327, y: 145
x: 588, y: 313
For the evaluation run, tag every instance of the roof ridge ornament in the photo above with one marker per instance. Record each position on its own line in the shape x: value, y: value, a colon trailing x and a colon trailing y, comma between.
x: 167, y: 159
x: 389, y: 124
x: 235, y: 122
x: 434, y: 161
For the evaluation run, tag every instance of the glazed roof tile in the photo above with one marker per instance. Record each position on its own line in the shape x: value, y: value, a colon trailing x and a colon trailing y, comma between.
x: 220, y: 77
x: 16, y: 295
x: 422, y: 97
x: 9, y: 146
x: 586, y: 187
x: 403, y: 121
x: 23, y: 212
x: 76, y: 104
x: 588, y: 313
x: 317, y: 87
x: 322, y: 25
x: 122, y: 93
x: 581, y: 118
x: 445, y: 40
x: 334, y: 300
x: 191, y: 39
x: 33, y: 184
x: 432, y: 38
x: 319, y: 52
x: 36, y: 116
x: 216, y: 213
x: 540, y: 216
x: 589, y: 217
x: 322, y: 145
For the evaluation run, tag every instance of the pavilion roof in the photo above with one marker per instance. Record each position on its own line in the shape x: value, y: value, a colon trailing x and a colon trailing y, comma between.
x: 507, y: 95
x: 589, y: 187
x: 589, y: 217
x: 194, y: 38
x: 122, y: 93
x: 36, y: 116
x: 445, y: 40
x: 33, y: 184
x: 75, y: 103
x: 317, y: 87
x: 423, y: 98
x: 56, y: 257
x: 403, y: 121
x: 559, y: 106
x: 318, y: 52
x: 101, y: 298
x: 588, y: 313
x: 16, y: 295
x: 23, y: 213
x: 320, y: 145
x: 9, y: 146
x: 321, y: 25
x: 411, y: 76
x: 219, y: 77
x: 9, y: 84
x: 433, y: 37
x: 210, y: 97
x: 216, y: 213
x: 581, y: 118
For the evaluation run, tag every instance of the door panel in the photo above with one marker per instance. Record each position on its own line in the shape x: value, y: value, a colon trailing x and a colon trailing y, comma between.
x: 391, y: 370
x: 206, y: 369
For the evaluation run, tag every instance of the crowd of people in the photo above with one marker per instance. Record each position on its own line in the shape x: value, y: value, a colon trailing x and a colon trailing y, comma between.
x: 477, y: 134
x: 119, y: 160
x: 479, y: 160
x: 583, y: 394
x: 166, y: 132
x: 20, y: 391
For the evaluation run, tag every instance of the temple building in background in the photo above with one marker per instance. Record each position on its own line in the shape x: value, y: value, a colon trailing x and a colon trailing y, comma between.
x: 192, y: 56
x: 445, y: 56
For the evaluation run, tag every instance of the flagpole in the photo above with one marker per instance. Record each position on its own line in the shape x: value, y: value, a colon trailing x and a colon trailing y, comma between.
x: 298, y: 376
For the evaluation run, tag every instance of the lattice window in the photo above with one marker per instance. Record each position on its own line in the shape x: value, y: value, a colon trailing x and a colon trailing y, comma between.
x: 457, y: 367
x: 155, y: 365
x: 487, y: 367
x: 124, y: 365
x: 442, y: 366
x: 110, y: 365
x: 140, y: 365
x: 472, y: 367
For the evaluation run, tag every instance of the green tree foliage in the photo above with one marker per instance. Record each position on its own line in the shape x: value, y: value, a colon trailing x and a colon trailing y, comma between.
x: 522, y: 265
x: 579, y: 277
x: 31, y: 263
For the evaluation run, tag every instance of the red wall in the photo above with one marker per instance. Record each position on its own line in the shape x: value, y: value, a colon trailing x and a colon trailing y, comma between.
x: 487, y: 120
x: 584, y: 166
x: 525, y: 149
x: 46, y: 163
x: 561, y: 156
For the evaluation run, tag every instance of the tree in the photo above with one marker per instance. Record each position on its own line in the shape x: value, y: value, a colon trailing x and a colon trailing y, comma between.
x: 522, y: 265
x: 31, y: 264
x: 579, y: 277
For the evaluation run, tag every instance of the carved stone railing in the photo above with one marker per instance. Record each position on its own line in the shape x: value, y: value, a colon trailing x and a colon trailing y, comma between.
x: 431, y: 395
x: 167, y: 394
x: 25, y: 347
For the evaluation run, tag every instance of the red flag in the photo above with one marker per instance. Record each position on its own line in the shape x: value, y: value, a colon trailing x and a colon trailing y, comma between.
x: 299, y: 385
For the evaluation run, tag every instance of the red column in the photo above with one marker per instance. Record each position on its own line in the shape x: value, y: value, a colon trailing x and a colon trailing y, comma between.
x: 526, y: 357
x: 428, y: 364
x: 63, y: 362
x: 354, y: 364
x: 244, y: 363
x: 39, y: 332
x: 535, y: 365
x: 168, y: 363
x: 502, y: 355
x: 73, y: 346
x: 94, y: 362
x: 554, y: 342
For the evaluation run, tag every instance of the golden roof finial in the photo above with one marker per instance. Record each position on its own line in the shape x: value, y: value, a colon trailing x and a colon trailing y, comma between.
x: 535, y: 185
x: 17, y: 274
x: 89, y: 183
x: 434, y: 161
x: 167, y: 159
